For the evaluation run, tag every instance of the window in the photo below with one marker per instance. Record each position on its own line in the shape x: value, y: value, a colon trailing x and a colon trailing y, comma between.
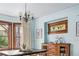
x: 17, y: 28
x: 3, y: 36
x: 16, y: 36
x: 6, y: 39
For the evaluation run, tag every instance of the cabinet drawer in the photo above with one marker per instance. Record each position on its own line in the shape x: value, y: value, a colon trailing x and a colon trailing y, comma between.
x: 52, y: 47
x: 53, y: 50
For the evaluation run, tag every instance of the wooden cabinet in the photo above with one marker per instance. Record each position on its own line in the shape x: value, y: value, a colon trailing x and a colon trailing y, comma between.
x: 59, y: 49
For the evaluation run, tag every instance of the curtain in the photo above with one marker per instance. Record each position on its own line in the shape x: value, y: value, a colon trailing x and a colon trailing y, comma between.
x: 25, y: 32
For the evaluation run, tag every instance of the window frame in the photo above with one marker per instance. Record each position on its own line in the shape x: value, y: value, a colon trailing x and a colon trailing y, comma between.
x: 10, y: 35
x: 14, y: 35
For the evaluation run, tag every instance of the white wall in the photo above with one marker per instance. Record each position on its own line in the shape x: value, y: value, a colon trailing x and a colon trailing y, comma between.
x: 70, y: 37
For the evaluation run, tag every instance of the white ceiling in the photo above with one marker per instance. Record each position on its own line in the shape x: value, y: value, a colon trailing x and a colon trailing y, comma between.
x: 48, y: 8
x: 37, y: 9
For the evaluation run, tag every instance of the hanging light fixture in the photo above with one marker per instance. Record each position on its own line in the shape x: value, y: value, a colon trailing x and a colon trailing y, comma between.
x: 26, y: 27
x: 27, y: 16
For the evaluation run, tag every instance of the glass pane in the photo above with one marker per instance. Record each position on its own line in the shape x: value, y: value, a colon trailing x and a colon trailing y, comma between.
x: 17, y: 36
x: 3, y: 36
x: 17, y: 42
x: 3, y: 33
x: 3, y: 42
x: 3, y: 27
x: 17, y: 31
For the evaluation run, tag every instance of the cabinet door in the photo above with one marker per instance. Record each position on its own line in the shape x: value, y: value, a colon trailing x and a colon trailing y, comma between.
x: 52, y: 50
x: 67, y: 52
x: 66, y: 49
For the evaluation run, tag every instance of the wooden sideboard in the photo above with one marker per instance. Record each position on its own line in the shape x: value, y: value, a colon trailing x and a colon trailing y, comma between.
x: 58, y: 49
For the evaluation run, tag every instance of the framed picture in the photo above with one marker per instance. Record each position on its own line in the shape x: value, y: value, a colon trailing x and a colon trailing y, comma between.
x: 77, y: 28
x: 58, y: 27
x: 39, y: 33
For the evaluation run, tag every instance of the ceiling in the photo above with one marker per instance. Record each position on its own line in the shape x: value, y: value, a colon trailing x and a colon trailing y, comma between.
x: 36, y: 9
x: 44, y: 9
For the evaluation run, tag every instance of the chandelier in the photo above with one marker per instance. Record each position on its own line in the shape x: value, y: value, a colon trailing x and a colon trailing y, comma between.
x: 27, y: 16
